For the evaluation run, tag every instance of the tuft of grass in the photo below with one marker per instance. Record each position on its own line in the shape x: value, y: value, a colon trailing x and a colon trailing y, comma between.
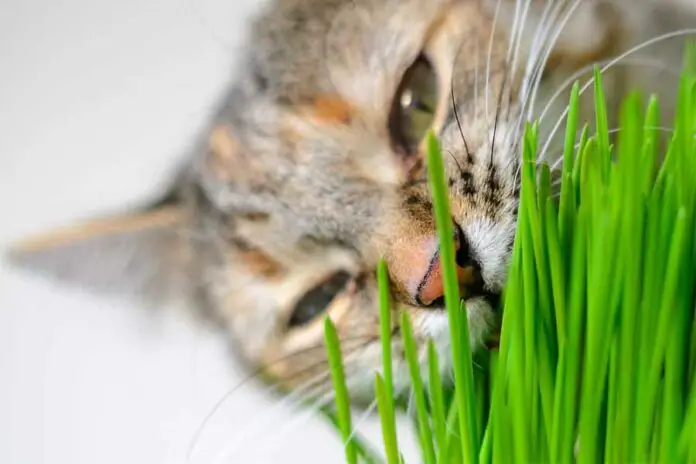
x: 597, y: 357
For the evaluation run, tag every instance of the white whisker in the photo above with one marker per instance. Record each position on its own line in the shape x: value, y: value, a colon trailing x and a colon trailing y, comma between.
x: 557, y: 164
x: 520, y: 37
x: 410, y: 404
x: 549, y: 50
x: 362, y: 418
x: 647, y: 43
x: 323, y: 393
x: 559, y: 161
x: 513, y: 133
x: 512, y: 40
x: 534, y: 61
x: 627, y: 61
x: 476, y: 76
x: 513, y: 30
x: 490, y: 53
x: 227, y: 454
x: 308, y: 388
x: 574, y: 77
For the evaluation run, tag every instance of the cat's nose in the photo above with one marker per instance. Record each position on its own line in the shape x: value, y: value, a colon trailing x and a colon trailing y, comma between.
x: 430, y: 291
x: 418, y: 271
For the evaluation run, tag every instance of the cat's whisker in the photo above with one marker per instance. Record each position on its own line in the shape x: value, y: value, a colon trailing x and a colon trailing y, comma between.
x: 300, y: 416
x: 559, y: 161
x: 513, y: 49
x: 292, y: 400
x: 410, y: 405
x: 469, y: 154
x: 477, y: 46
x: 533, y: 69
x: 628, y: 61
x: 659, y: 65
x: 489, y: 57
x: 641, y: 46
x: 549, y: 49
x: 297, y: 392
x: 517, y: 37
x: 515, y: 34
x: 513, y: 30
x: 539, y: 55
x: 540, y: 34
x: 501, y: 92
x: 519, y: 34
x: 323, y: 400
x: 456, y: 162
x: 369, y: 410
x: 318, y: 387
x: 535, y: 63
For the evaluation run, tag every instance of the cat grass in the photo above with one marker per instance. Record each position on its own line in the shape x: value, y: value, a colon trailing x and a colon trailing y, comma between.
x: 597, y: 355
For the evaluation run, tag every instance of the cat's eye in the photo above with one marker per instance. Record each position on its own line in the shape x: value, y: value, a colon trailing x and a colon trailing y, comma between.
x: 318, y: 299
x: 414, y: 106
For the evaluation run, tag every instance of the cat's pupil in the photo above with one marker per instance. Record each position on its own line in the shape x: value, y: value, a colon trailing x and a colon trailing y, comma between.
x: 317, y: 300
x: 414, y: 106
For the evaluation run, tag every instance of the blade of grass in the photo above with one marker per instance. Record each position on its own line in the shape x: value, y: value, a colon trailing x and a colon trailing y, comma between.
x: 365, y: 451
x: 387, y: 421
x: 601, y: 122
x: 437, y: 401
x: 385, y: 325
x: 338, y: 378
x: 571, y: 130
x: 459, y: 326
x: 424, y: 432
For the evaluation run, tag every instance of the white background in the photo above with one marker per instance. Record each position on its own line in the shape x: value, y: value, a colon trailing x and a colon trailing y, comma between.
x: 98, y: 99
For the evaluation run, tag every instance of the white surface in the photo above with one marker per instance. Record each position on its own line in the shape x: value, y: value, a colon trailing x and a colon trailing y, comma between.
x: 98, y: 99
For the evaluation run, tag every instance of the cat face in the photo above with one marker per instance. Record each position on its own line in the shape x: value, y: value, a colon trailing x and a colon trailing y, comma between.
x: 320, y: 149
x: 313, y: 169
x: 319, y: 159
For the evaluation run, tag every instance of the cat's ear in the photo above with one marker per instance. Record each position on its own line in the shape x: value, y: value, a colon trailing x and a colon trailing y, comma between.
x: 139, y: 255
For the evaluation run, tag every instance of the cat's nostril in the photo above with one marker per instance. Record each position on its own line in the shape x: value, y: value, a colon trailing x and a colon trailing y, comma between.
x: 463, y: 256
x: 414, y: 268
x: 430, y: 291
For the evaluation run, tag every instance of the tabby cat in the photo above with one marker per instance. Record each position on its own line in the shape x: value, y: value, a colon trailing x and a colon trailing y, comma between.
x: 312, y: 169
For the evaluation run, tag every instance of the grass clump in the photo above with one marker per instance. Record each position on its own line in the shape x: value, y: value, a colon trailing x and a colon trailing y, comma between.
x: 597, y: 359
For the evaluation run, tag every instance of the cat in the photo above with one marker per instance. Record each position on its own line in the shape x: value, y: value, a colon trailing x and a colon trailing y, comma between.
x: 312, y: 168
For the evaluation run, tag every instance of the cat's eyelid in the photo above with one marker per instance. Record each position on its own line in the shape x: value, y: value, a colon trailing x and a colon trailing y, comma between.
x: 318, y: 298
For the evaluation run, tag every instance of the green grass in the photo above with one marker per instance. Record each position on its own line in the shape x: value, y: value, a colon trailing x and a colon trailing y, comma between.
x: 598, y: 345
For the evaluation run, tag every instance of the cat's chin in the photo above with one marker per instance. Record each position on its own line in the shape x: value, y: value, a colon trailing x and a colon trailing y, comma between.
x: 433, y: 325
x: 481, y: 318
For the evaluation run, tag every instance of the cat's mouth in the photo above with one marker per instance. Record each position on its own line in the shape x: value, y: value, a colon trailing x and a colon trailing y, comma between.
x: 493, y: 342
x: 492, y: 299
x: 492, y: 302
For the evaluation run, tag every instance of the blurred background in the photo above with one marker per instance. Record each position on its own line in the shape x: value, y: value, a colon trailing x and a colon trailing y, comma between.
x: 98, y: 101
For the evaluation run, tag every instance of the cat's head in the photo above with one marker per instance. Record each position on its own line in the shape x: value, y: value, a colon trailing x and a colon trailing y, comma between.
x: 313, y: 169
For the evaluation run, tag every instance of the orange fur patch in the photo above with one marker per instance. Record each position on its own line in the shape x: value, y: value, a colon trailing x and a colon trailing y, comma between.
x: 333, y: 109
x: 260, y: 264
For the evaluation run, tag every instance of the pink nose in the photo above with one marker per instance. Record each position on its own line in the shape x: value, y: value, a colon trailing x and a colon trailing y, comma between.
x: 419, y: 273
